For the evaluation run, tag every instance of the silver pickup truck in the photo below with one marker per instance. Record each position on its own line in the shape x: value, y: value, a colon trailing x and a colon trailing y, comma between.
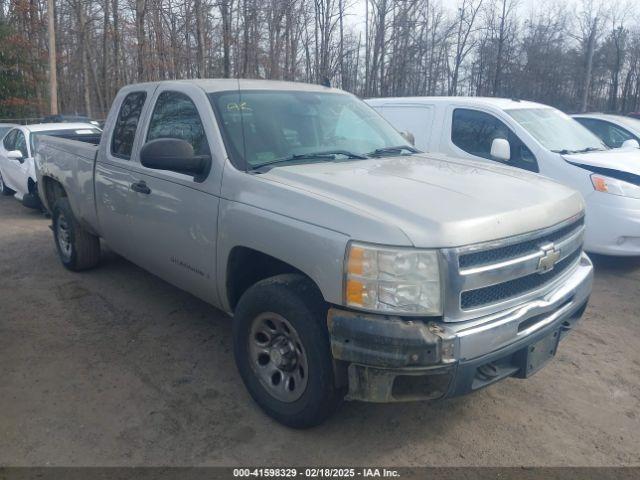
x: 353, y: 265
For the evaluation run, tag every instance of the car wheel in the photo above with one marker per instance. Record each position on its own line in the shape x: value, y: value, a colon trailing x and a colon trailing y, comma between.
x: 281, y: 347
x: 77, y: 248
x: 4, y: 190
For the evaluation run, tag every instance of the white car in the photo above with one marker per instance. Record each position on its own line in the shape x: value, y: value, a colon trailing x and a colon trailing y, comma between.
x: 617, y: 131
x: 17, y: 165
x: 538, y: 138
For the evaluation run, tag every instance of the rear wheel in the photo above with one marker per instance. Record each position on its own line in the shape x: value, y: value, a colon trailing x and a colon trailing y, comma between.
x: 77, y: 248
x: 4, y: 190
x: 281, y: 346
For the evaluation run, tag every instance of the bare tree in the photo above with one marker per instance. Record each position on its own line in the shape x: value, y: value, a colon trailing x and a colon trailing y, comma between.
x: 464, y: 41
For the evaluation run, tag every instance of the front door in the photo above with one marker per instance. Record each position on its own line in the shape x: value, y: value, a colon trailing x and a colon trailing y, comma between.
x: 175, y: 215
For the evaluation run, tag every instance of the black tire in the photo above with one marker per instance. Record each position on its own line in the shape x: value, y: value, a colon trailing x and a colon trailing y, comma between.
x: 296, y: 299
x: 4, y: 190
x: 80, y: 250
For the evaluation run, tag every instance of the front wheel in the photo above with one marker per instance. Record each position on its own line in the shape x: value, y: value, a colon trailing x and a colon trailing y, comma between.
x: 4, y: 190
x: 77, y: 248
x: 281, y: 347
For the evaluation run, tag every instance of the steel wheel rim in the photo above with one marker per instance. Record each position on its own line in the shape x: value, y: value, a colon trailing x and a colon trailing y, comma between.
x: 1, y: 184
x: 277, y: 357
x: 64, y: 236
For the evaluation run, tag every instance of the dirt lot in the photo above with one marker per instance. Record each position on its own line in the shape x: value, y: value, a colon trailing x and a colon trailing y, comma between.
x: 116, y: 367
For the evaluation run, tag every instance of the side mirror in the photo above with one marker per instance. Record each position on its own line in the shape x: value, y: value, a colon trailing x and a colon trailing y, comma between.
x: 15, y: 155
x: 173, y: 154
x: 500, y: 149
x: 631, y: 143
x: 409, y: 137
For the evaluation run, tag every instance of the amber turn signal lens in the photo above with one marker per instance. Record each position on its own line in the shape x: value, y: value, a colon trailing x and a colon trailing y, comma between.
x: 356, y: 256
x: 355, y: 292
x: 599, y: 183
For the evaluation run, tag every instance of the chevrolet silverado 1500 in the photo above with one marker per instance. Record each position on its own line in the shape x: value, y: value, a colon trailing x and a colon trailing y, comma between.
x: 352, y: 264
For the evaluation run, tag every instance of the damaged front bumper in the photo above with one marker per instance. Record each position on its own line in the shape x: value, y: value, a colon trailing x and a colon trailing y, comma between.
x: 391, y: 358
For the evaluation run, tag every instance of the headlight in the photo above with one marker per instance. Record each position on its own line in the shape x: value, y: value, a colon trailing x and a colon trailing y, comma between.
x: 393, y: 280
x: 614, y: 186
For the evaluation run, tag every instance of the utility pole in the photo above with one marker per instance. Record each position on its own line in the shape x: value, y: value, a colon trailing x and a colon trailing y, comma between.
x: 53, y: 78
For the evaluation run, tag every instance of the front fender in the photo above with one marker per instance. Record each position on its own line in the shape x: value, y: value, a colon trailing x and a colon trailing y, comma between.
x: 315, y: 251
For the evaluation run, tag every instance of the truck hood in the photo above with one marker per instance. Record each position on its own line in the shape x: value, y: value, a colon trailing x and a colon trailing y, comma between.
x: 608, y: 162
x: 437, y: 201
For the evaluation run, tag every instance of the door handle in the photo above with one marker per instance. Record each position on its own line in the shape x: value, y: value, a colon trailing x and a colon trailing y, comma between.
x: 141, y: 187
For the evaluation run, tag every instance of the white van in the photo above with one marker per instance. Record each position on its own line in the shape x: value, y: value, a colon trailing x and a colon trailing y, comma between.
x: 537, y: 138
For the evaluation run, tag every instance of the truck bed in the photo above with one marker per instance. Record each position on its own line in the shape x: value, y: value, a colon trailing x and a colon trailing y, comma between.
x: 72, y: 163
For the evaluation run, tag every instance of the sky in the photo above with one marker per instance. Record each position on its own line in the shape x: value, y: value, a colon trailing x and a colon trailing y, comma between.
x: 356, y: 12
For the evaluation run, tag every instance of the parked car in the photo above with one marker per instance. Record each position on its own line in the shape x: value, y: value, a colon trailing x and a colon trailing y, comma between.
x: 17, y: 165
x: 616, y: 131
x: 540, y: 139
x: 73, y: 118
x: 351, y: 264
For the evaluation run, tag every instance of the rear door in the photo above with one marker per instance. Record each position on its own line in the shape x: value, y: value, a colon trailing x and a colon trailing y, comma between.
x: 175, y: 218
x: 113, y: 178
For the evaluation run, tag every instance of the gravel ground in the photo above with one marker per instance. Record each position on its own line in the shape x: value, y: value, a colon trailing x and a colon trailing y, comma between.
x: 116, y: 367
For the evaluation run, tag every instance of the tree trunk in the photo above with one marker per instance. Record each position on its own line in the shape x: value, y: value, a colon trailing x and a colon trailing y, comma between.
x: 591, y: 46
x: 53, y: 77
x: 140, y: 35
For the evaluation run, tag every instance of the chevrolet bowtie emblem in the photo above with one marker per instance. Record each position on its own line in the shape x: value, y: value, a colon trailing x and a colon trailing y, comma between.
x: 550, y: 256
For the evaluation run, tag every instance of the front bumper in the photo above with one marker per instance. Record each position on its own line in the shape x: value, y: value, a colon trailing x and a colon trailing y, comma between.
x: 613, y: 225
x: 396, y: 359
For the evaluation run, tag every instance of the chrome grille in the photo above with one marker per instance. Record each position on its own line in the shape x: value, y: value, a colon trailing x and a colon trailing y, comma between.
x: 513, y: 288
x: 489, y: 277
x: 517, y: 250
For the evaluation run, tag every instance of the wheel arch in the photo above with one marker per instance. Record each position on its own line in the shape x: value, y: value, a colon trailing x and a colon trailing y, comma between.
x: 247, y: 266
x: 52, y: 190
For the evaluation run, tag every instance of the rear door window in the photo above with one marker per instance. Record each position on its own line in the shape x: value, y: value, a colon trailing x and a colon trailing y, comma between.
x: 414, y: 119
x: 124, y: 131
x: 474, y: 131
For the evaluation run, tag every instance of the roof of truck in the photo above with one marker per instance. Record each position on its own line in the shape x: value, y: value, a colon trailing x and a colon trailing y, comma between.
x: 501, y: 103
x: 211, y: 85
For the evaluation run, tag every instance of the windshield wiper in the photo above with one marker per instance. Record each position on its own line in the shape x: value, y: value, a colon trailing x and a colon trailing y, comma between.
x: 324, y: 155
x: 584, y: 150
x: 589, y: 149
x: 397, y: 149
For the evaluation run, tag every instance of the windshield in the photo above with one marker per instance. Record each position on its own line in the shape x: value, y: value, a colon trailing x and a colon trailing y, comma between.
x: 556, y: 131
x: 266, y: 127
